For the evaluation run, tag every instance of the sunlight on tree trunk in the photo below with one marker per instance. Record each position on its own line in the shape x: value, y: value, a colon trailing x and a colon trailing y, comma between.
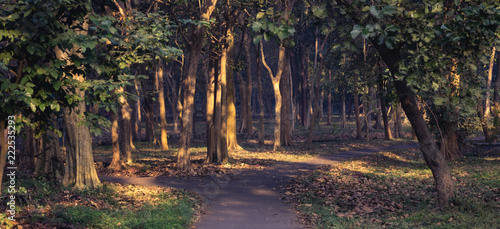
x: 277, y: 94
x: 183, y: 157
x: 115, y: 144
x: 488, y: 84
x: 232, y: 141
x: 161, y: 103
x: 125, y: 127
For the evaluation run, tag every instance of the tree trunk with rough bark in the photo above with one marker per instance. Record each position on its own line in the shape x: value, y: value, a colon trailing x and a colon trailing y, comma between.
x: 80, y: 171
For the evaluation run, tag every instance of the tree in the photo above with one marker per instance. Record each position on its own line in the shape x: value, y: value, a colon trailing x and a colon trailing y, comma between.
x: 266, y: 28
x: 393, y: 31
x: 189, y: 84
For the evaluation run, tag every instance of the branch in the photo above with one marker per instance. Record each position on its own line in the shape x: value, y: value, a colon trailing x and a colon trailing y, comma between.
x: 263, y: 59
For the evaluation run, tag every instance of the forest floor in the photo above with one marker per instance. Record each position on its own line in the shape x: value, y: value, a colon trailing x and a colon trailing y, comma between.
x: 250, y: 199
x: 339, y: 182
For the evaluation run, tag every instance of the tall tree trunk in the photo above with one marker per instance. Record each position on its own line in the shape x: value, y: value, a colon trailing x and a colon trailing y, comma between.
x: 148, y: 106
x: 304, y: 86
x: 183, y: 162
x: 496, y: 102
x: 26, y: 159
x: 249, y: 86
x: 343, y: 111
x: 161, y: 103
x: 232, y: 142
x: 115, y: 144
x: 488, y: 84
x: 211, y: 79
x: 261, y: 102
x: 450, y: 142
x: 243, y: 103
x: 137, y: 117
x: 275, y: 79
x: 316, y: 83
x: 483, y: 121
x: 383, y: 108
x: 286, y: 108
x: 80, y: 171
x: 356, y: 108
x: 125, y: 127
x: 329, y: 102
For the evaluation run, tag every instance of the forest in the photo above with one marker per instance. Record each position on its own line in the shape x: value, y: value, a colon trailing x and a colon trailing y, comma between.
x: 250, y: 113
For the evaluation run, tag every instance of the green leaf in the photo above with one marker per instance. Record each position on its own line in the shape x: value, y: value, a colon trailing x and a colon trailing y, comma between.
x: 256, y: 26
x: 260, y: 15
x: 30, y: 49
x: 366, y: 8
x: 375, y: 12
x: 257, y: 39
x: 356, y: 31
x: 439, y: 101
x: 267, y: 36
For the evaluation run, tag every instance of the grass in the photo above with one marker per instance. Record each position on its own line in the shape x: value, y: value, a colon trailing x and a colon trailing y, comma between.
x: 44, y: 205
x: 396, y: 190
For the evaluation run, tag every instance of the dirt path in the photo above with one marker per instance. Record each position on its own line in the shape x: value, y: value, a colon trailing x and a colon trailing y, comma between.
x: 250, y: 200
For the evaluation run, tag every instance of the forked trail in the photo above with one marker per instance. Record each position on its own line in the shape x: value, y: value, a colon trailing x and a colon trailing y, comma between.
x: 251, y: 199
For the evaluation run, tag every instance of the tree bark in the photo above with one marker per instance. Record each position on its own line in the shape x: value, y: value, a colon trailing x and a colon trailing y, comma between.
x: 136, y: 113
x: 286, y: 109
x: 249, y: 86
x: 161, y: 103
x: 488, y: 84
x: 261, y: 102
x: 385, y: 118
x: 115, y: 144
x: 496, y: 103
x: 148, y: 106
x: 232, y: 141
x: 329, y: 100
x: 125, y: 127
x: 79, y: 170
x: 211, y: 79
x: 483, y: 121
x: 183, y: 162
x: 343, y: 110
x: 356, y: 108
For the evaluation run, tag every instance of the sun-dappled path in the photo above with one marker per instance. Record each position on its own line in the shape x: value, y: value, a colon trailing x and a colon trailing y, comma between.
x: 251, y: 199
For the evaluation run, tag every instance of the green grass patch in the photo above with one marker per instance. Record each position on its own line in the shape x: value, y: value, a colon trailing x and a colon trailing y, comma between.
x: 40, y: 203
x: 396, y: 190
